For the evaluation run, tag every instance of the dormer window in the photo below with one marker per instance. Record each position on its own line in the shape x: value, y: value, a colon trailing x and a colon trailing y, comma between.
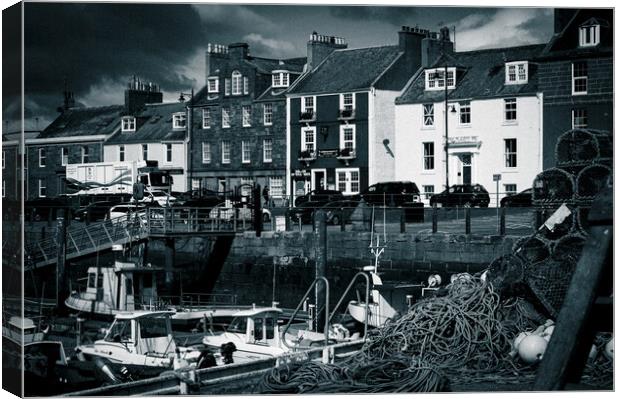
x: 589, y: 34
x: 213, y: 85
x: 280, y: 79
x: 435, y: 79
x: 128, y: 124
x: 516, y: 72
x: 179, y: 120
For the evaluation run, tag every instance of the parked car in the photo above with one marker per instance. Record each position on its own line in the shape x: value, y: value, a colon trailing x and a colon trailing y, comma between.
x: 394, y: 193
x: 319, y: 195
x: 120, y: 213
x: 462, y: 195
x: 159, y: 197
x: 337, y: 211
x: 305, y: 211
x: 96, y: 211
x: 42, y: 208
x: 524, y: 199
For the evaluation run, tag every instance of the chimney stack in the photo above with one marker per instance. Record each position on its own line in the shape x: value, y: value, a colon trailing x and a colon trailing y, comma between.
x: 238, y: 50
x: 140, y: 92
x: 216, y: 57
x: 321, y: 46
x: 435, y: 44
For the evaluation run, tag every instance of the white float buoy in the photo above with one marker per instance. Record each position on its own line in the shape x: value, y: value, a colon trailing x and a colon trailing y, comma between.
x: 532, y: 348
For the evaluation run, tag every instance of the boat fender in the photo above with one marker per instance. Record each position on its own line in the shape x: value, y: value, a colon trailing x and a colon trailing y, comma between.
x: 227, y: 350
x: 106, y: 372
x: 434, y: 280
x: 532, y: 348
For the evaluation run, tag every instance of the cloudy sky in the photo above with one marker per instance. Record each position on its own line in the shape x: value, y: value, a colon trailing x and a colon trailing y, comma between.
x: 98, y: 47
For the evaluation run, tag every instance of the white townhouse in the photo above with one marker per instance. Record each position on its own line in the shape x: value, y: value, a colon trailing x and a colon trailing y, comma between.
x: 494, y: 122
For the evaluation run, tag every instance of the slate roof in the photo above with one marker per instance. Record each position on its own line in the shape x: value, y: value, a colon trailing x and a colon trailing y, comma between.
x: 153, y: 124
x: 84, y: 122
x: 348, y: 70
x: 480, y: 74
x: 266, y: 65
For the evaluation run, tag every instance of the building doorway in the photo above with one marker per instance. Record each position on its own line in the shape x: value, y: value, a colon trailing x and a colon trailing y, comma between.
x: 466, y: 168
x: 319, y: 177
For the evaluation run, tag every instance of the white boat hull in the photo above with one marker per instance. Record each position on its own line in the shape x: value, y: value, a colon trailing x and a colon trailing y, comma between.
x: 377, y: 317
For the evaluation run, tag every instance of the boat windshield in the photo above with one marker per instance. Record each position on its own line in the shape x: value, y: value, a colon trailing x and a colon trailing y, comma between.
x: 153, y: 328
x: 120, y: 331
x: 238, y: 325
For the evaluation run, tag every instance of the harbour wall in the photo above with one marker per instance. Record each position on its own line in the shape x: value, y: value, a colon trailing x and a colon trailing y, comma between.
x: 280, y: 266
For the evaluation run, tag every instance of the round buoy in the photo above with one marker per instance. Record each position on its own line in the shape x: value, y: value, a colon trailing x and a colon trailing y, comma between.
x: 609, y: 349
x: 518, y: 339
x: 434, y: 280
x: 532, y: 348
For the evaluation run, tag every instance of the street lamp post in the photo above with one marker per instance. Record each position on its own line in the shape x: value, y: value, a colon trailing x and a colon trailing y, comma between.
x: 190, y: 114
x: 445, y: 85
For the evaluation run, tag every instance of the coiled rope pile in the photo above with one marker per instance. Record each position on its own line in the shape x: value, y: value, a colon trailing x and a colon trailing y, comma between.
x: 464, y: 336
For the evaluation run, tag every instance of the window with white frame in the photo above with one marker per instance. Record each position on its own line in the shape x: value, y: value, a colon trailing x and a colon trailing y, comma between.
x: 347, y: 137
x: 225, y: 151
x: 179, y: 120
x: 225, y: 117
x: 435, y: 79
x: 247, y: 183
x: 145, y: 152
x: 267, y: 150
x: 245, y: 151
x: 347, y: 102
x: 429, y: 155
x: 510, y: 109
x: 308, y: 105
x: 280, y: 79
x: 276, y: 187
x: 246, y: 85
x: 206, y: 152
x: 168, y: 148
x: 246, y: 113
x: 195, y: 184
x: 429, y: 191
x: 308, y: 138
x: 85, y: 154
x: 268, y: 114
x: 206, y: 118
x: 510, y: 153
x: 42, y: 157
x: 510, y: 189
x: 121, y: 153
x: 213, y: 84
x: 42, y: 188
x: 64, y: 156
x: 580, y: 118
x: 589, y: 35
x: 580, y: 77
x: 429, y: 115
x: 227, y: 86
x: 236, y: 79
x: 128, y: 124
x: 465, y: 113
x: 516, y: 72
x: 348, y: 180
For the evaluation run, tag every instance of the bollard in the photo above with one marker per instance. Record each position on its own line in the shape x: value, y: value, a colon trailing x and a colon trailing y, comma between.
x: 403, y: 225
x: 502, y: 222
x: 467, y: 220
x: 434, y: 218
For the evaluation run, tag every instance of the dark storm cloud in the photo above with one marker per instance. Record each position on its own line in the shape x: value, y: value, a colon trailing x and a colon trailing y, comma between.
x: 393, y: 15
x: 88, y: 42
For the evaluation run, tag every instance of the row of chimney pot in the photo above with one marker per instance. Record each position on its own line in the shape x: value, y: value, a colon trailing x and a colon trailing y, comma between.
x: 217, y: 48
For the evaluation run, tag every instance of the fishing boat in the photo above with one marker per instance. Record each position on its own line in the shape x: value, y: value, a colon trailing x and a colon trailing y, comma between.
x: 138, y: 343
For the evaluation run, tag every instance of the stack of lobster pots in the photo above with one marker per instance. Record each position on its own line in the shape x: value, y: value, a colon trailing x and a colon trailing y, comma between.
x: 583, y: 168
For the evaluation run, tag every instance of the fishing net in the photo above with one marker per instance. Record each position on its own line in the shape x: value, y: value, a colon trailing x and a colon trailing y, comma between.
x: 549, y: 281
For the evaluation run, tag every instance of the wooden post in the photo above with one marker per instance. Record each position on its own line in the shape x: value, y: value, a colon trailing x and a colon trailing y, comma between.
x: 403, y: 225
x: 61, y: 257
x: 502, y: 221
x: 320, y: 235
x: 434, y: 217
x: 467, y: 220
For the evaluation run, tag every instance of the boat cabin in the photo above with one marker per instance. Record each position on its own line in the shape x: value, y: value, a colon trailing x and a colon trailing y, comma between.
x: 22, y: 330
x: 141, y: 333
x: 258, y: 325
